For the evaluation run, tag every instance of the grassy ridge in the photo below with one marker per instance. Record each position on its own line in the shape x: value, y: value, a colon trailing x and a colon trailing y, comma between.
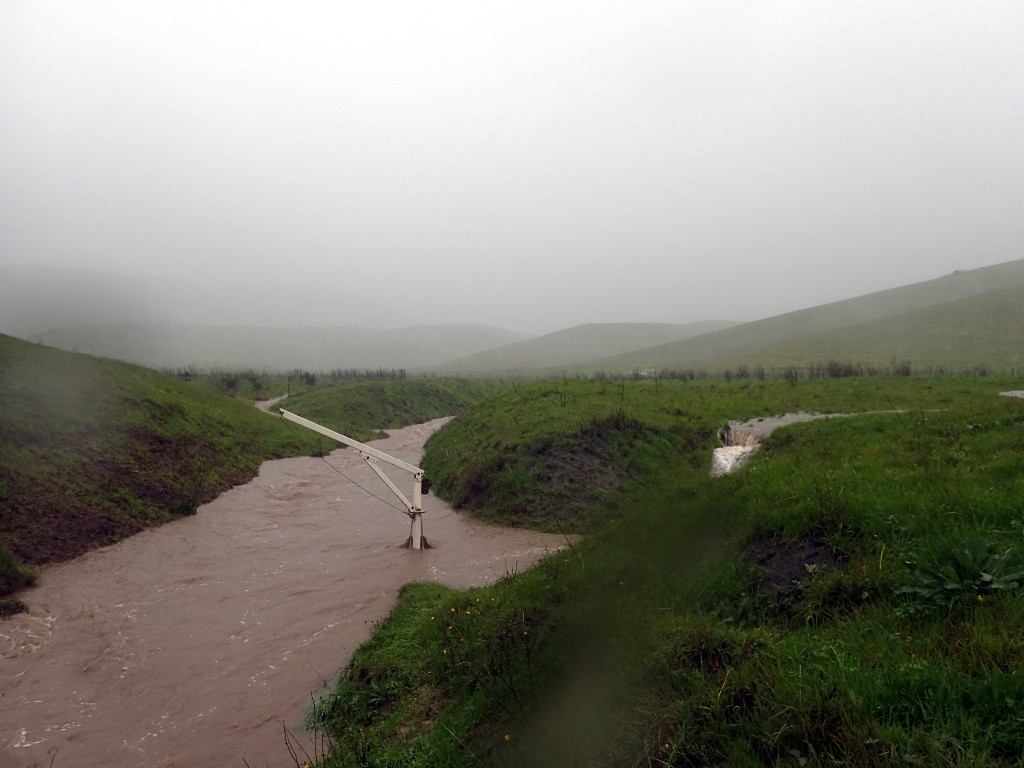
x: 578, y: 345
x: 207, y: 346
x: 546, y: 454
x: 852, y: 597
x: 957, y: 335
x: 94, y: 450
x: 361, y: 409
x: 977, y: 311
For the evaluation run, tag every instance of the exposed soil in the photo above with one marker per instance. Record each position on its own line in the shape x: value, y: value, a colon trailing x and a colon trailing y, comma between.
x: 574, y: 475
x: 782, y: 565
x: 582, y: 468
x: 155, y: 479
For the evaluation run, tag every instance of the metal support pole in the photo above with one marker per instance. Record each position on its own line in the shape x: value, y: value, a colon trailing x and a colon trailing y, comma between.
x: 416, y: 513
x: 372, y: 456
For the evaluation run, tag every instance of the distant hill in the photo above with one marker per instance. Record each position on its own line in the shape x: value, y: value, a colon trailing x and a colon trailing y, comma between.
x: 578, y: 345
x: 178, y: 323
x: 176, y: 345
x: 985, y: 330
x: 35, y: 299
x: 966, y: 318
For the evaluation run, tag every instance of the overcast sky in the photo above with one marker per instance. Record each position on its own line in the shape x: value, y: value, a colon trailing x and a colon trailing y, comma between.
x: 522, y: 164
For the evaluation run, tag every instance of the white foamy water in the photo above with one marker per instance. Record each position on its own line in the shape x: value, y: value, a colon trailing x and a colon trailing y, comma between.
x: 744, y: 438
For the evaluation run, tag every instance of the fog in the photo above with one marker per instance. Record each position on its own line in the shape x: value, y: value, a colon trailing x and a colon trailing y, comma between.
x: 526, y: 165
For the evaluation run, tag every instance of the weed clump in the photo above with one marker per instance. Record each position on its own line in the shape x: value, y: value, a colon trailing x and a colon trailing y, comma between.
x: 13, y: 577
x: 954, y: 577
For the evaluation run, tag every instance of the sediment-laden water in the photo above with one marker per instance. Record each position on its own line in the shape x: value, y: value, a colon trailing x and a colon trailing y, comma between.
x: 198, y: 643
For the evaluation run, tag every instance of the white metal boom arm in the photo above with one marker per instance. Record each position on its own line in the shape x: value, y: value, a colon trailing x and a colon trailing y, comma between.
x: 372, y: 456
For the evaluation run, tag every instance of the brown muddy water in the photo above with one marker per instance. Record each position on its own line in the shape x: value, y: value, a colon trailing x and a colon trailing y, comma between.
x: 200, y: 642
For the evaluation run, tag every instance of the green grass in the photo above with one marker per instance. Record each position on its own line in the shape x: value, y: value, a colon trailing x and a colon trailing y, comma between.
x: 851, y: 597
x: 13, y: 576
x: 255, y: 385
x: 361, y: 409
x: 576, y: 346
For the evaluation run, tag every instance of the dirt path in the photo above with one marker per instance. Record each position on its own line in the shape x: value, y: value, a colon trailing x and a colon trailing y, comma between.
x: 196, y: 644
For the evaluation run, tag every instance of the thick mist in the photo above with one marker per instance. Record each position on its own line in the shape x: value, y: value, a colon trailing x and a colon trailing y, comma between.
x: 520, y: 165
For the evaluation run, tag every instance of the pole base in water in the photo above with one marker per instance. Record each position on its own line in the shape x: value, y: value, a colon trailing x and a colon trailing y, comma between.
x: 424, y: 544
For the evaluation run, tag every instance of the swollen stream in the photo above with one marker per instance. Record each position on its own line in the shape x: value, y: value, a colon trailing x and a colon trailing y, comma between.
x: 200, y: 642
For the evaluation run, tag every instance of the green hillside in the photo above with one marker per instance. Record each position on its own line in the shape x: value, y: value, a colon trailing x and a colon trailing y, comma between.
x: 94, y: 450
x: 578, y: 345
x: 808, y: 334
x: 985, y: 331
x: 854, y: 596
x: 177, y: 345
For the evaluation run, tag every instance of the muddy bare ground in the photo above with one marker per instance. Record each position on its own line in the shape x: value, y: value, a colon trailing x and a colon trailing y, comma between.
x: 198, y: 643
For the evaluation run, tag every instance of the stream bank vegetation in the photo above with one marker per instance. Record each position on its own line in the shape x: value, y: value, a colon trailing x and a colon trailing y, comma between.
x: 95, y: 450
x: 260, y: 384
x: 852, y: 596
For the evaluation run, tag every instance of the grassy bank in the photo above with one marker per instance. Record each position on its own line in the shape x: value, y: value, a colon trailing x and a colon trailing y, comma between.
x: 93, y: 450
x: 853, y: 596
x: 362, y: 409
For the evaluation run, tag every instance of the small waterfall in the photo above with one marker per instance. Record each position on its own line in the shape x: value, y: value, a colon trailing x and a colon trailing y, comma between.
x: 742, y: 439
x: 738, y: 445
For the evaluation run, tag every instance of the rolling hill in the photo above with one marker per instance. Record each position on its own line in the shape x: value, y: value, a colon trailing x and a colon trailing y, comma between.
x: 970, y: 333
x: 177, y: 345
x: 180, y: 323
x: 578, y: 345
x: 963, y: 319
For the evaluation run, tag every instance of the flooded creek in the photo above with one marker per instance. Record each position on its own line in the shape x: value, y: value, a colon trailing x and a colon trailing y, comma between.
x: 198, y: 643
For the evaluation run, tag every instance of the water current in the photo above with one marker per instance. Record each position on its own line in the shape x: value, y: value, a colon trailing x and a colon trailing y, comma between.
x: 198, y: 643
